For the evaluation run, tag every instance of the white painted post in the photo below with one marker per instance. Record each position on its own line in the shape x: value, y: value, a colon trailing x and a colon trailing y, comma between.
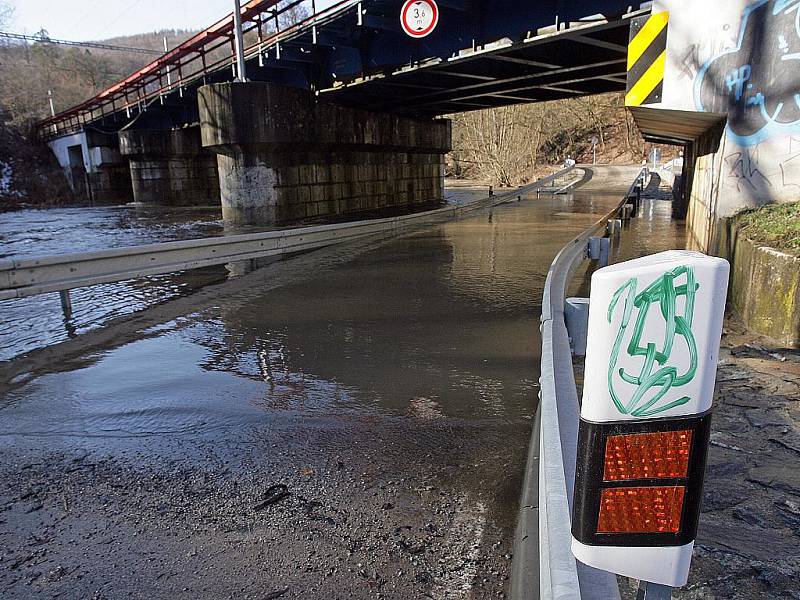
x: 169, y: 74
x: 652, y: 348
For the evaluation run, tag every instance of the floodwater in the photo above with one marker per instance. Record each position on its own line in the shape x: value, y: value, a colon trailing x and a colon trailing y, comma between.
x: 43, y: 232
x: 389, y: 384
x: 28, y: 233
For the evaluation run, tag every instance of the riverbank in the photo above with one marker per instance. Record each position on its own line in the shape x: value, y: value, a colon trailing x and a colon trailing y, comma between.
x: 29, y: 173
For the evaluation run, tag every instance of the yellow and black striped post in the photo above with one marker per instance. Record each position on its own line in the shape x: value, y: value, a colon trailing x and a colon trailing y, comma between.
x: 647, y: 53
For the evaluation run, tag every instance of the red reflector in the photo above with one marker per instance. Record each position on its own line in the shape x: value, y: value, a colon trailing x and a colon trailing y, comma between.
x: 641, y: 510
x: 647, y: 455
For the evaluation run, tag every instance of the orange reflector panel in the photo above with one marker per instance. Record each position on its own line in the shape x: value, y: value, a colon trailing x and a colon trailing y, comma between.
x: 641, y: 510
x: 647, y: 455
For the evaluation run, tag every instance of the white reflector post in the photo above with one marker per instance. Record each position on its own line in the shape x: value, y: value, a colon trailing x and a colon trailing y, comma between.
x: 652, y: 348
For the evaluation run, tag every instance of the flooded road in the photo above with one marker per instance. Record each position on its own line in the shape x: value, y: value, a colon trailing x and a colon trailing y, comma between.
x: 349, y: 423
x: 43, y: 232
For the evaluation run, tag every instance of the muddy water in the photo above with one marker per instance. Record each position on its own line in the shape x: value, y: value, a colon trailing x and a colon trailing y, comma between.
x: 29, y: 233
x: 389, y: 385
x: 33, y: 233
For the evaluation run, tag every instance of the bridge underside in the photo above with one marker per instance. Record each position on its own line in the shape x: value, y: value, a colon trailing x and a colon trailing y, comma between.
x: 481, y: 54
x: 583, y: 59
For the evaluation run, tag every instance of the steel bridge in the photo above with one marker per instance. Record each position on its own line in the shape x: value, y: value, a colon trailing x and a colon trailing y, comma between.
x: 481, y: 55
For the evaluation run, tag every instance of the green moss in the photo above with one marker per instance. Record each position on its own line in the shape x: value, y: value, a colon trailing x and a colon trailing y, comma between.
x: 774, y: 225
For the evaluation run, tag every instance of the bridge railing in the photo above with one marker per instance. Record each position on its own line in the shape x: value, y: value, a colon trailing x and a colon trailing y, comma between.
x: 204, y: 53
x: 544, y: 566
x: 30, y: 276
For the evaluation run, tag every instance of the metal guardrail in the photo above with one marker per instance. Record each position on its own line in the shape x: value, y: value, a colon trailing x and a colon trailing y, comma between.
x: 30, y: 276
x: 544, y: 566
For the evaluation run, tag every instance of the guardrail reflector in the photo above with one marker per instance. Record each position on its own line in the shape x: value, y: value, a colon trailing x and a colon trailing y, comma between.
x: 655, y: 455
x: 654, y: 330
x: 641, y: 510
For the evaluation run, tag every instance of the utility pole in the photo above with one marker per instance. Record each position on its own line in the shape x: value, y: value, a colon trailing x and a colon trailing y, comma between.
x: 241, y: 75
x: 52, y: 106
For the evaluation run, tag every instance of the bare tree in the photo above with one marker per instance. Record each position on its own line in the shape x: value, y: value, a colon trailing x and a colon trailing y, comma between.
x: 519, y: 143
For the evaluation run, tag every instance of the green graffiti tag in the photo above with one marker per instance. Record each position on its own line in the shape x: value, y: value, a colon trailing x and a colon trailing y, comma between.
x: 655, y: 374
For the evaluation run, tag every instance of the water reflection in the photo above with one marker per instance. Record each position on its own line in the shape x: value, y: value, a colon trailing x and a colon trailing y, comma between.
x: 451, y: 309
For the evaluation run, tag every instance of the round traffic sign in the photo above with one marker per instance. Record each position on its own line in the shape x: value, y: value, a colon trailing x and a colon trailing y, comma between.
x: 419, y: 17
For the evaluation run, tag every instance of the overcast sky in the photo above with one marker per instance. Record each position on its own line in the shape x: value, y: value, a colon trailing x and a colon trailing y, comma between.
x: 99, y: 19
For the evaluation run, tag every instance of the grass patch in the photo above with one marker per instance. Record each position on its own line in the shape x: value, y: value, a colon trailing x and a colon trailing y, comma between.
x: 773, y: 225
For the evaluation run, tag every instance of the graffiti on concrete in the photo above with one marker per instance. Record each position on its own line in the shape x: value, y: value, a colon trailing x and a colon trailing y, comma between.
x: 743, y: 170
x: 648, y: 391
x: 756, y: 82
x: 697, y: 54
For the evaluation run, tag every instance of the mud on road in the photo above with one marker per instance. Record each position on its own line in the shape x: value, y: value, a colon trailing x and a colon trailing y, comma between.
x: 353, y: 524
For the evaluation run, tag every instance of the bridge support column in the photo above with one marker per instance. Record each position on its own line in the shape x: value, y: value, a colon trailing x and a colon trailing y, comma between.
x: 108, y: 180
x: 170, y: 167
x: 284, y: 156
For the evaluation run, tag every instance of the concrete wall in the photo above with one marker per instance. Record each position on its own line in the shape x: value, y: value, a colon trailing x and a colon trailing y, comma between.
x: 740, y: 59
x: 60, y: 147
x: 285, y: 156
x: 170, y: 167
x: 702, y: 172
x: 765, y: 290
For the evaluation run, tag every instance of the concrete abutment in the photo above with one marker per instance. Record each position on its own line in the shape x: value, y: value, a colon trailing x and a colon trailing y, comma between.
x: 285, y: 156
x: 94, y: 167
x: 170, y: 167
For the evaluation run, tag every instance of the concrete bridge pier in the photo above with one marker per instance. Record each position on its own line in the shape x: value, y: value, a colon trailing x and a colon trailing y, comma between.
x: 108, y: 178
x: 284, y: 156
x: 170, y: 167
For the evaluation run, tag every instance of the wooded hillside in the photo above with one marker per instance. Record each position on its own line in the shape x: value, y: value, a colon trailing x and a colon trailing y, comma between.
x: 516, y: 144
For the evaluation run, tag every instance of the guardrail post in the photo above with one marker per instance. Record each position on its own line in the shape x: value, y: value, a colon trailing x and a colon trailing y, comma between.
x: 653, y: 591
x: 613, y: 227
x: 66, y: 304
x: 576, y: 317
x: 593, y: 248
x: 626, y: 211
x: 605, y: 248
x: 598, y: 249
x: 632, y: 202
